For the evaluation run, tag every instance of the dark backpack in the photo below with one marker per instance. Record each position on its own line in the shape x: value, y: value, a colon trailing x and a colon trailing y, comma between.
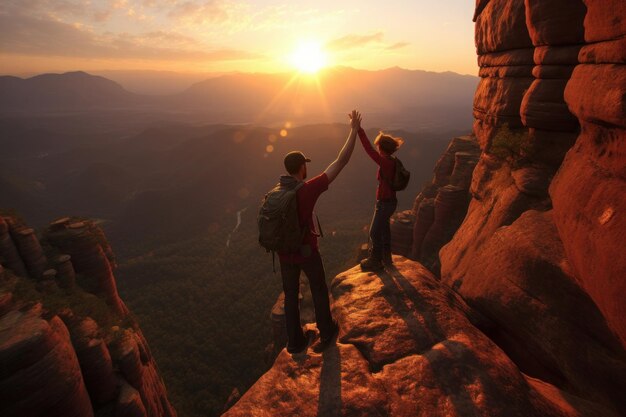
x: 279, y: 226
x: 401, y: 176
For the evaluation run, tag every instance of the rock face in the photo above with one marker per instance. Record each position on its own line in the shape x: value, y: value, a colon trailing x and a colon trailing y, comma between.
x: 408, y: 346
x: 58, y: 362
x: 439, y: 208
x: 539, y: 250
x: 40, y: 371
x: 590, y: 188
x: 92, y: 255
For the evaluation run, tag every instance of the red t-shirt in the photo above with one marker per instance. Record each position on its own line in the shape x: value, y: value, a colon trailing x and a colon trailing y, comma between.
x: 306, y: 198
x: 386, y: 165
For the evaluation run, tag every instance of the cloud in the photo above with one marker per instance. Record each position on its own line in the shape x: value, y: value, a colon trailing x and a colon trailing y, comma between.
x: 397, y: 45
x: 58, y: 9
x: 202, y: 12
x: 43, y: 37
x: 353, y: 41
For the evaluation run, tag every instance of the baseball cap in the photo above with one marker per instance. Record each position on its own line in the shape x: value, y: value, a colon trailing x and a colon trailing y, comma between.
x: 294, y: 159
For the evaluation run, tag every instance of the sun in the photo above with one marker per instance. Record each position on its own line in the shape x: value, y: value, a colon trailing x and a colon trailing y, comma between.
x: 309, y: 57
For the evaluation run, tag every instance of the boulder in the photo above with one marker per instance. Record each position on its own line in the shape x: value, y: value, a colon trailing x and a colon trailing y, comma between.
x: 498, y: 101
x: 402, y: 232
x: 129, y: 403
x: 510, y: 58
x: 496, y: 201
x: 522, y: 281
x: 501, y: 26
x: 9, y: 255
x: 543, y: 107
x: 91, y: 256
x: 95, y: 360
x: 604, y: 20
x: 555, y: 22
x: 30, y: 250
x: 130, y: 353
x: 609, y: 52
x: 66, y: 274
x: 39, y: 370
x: 589, y: 195
x: 595, y: 93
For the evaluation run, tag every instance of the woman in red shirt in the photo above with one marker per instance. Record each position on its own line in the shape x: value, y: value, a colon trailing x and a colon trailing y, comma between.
x: 386, y: 202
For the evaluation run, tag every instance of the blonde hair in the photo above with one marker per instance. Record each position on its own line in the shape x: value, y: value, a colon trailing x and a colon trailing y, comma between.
x: 388, y: 143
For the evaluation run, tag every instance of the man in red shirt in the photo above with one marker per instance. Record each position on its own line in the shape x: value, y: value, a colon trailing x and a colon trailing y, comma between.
x: 308, y: 258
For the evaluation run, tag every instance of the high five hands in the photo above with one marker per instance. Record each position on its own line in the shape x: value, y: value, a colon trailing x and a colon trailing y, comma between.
x: 355, y: 120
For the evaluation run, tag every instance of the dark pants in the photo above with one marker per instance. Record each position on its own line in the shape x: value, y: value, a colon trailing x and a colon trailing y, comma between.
x: 314, y: 271
x: 380, y: 231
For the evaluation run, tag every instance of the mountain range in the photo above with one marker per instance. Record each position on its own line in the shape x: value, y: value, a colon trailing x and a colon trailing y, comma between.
x: 396, y: 97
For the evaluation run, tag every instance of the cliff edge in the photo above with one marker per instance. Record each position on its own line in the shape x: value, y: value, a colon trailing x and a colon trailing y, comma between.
x: 408, y: 345
x: 68, y: 344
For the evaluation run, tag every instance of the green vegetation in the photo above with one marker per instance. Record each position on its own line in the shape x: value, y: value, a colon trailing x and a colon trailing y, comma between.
x: 204, y: 308
x: 511, y: 145
x: 80, y: 302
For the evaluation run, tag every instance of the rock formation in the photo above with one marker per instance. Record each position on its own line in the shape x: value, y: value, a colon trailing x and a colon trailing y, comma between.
x: 92, y: 255
x: 525, y: 313
x: 539, y: 250
x: 55, y: 359
x: 408, y: 347
x: 439, y: 208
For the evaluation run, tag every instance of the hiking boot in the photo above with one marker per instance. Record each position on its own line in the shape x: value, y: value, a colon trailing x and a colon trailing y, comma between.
x: 372, y: 264
x: 325, y: 342
x: 387, y: 259
x: 309, y: 336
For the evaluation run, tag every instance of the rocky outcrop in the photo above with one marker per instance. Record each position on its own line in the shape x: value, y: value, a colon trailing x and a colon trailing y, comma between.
x: 92, y: 256
x: 408, y: 346
x: 401, y: 225
x: 55, y: 359
x: 589, y: 191
x: 539, y: 250
x: 522, y: 280
x: 40, y: 372
x: 439, y: 208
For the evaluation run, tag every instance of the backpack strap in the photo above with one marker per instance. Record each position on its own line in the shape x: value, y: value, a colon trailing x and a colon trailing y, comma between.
x: 319, y: 226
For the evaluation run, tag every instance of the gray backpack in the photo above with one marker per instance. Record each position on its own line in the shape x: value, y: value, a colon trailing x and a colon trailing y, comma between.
x: 279, y: 227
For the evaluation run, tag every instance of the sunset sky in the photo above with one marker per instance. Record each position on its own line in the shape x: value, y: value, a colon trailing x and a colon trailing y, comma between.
x: 222, y: 35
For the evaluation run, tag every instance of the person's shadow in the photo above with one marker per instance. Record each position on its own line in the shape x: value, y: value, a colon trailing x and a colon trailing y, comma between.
x: 421, y: 318
x: 329, y: 403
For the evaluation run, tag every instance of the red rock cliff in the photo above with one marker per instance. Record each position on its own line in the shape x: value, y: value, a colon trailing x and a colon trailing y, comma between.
x: 68, y: 346
x: 528, y: 315
x: 539, y: 250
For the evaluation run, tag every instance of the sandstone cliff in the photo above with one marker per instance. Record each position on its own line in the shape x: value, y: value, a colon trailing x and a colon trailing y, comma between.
x: 68, y: 344
x: 524, y: 314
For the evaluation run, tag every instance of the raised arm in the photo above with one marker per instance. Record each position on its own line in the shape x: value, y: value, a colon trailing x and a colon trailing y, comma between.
x: 368, y: 146
x: 344, y: 155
